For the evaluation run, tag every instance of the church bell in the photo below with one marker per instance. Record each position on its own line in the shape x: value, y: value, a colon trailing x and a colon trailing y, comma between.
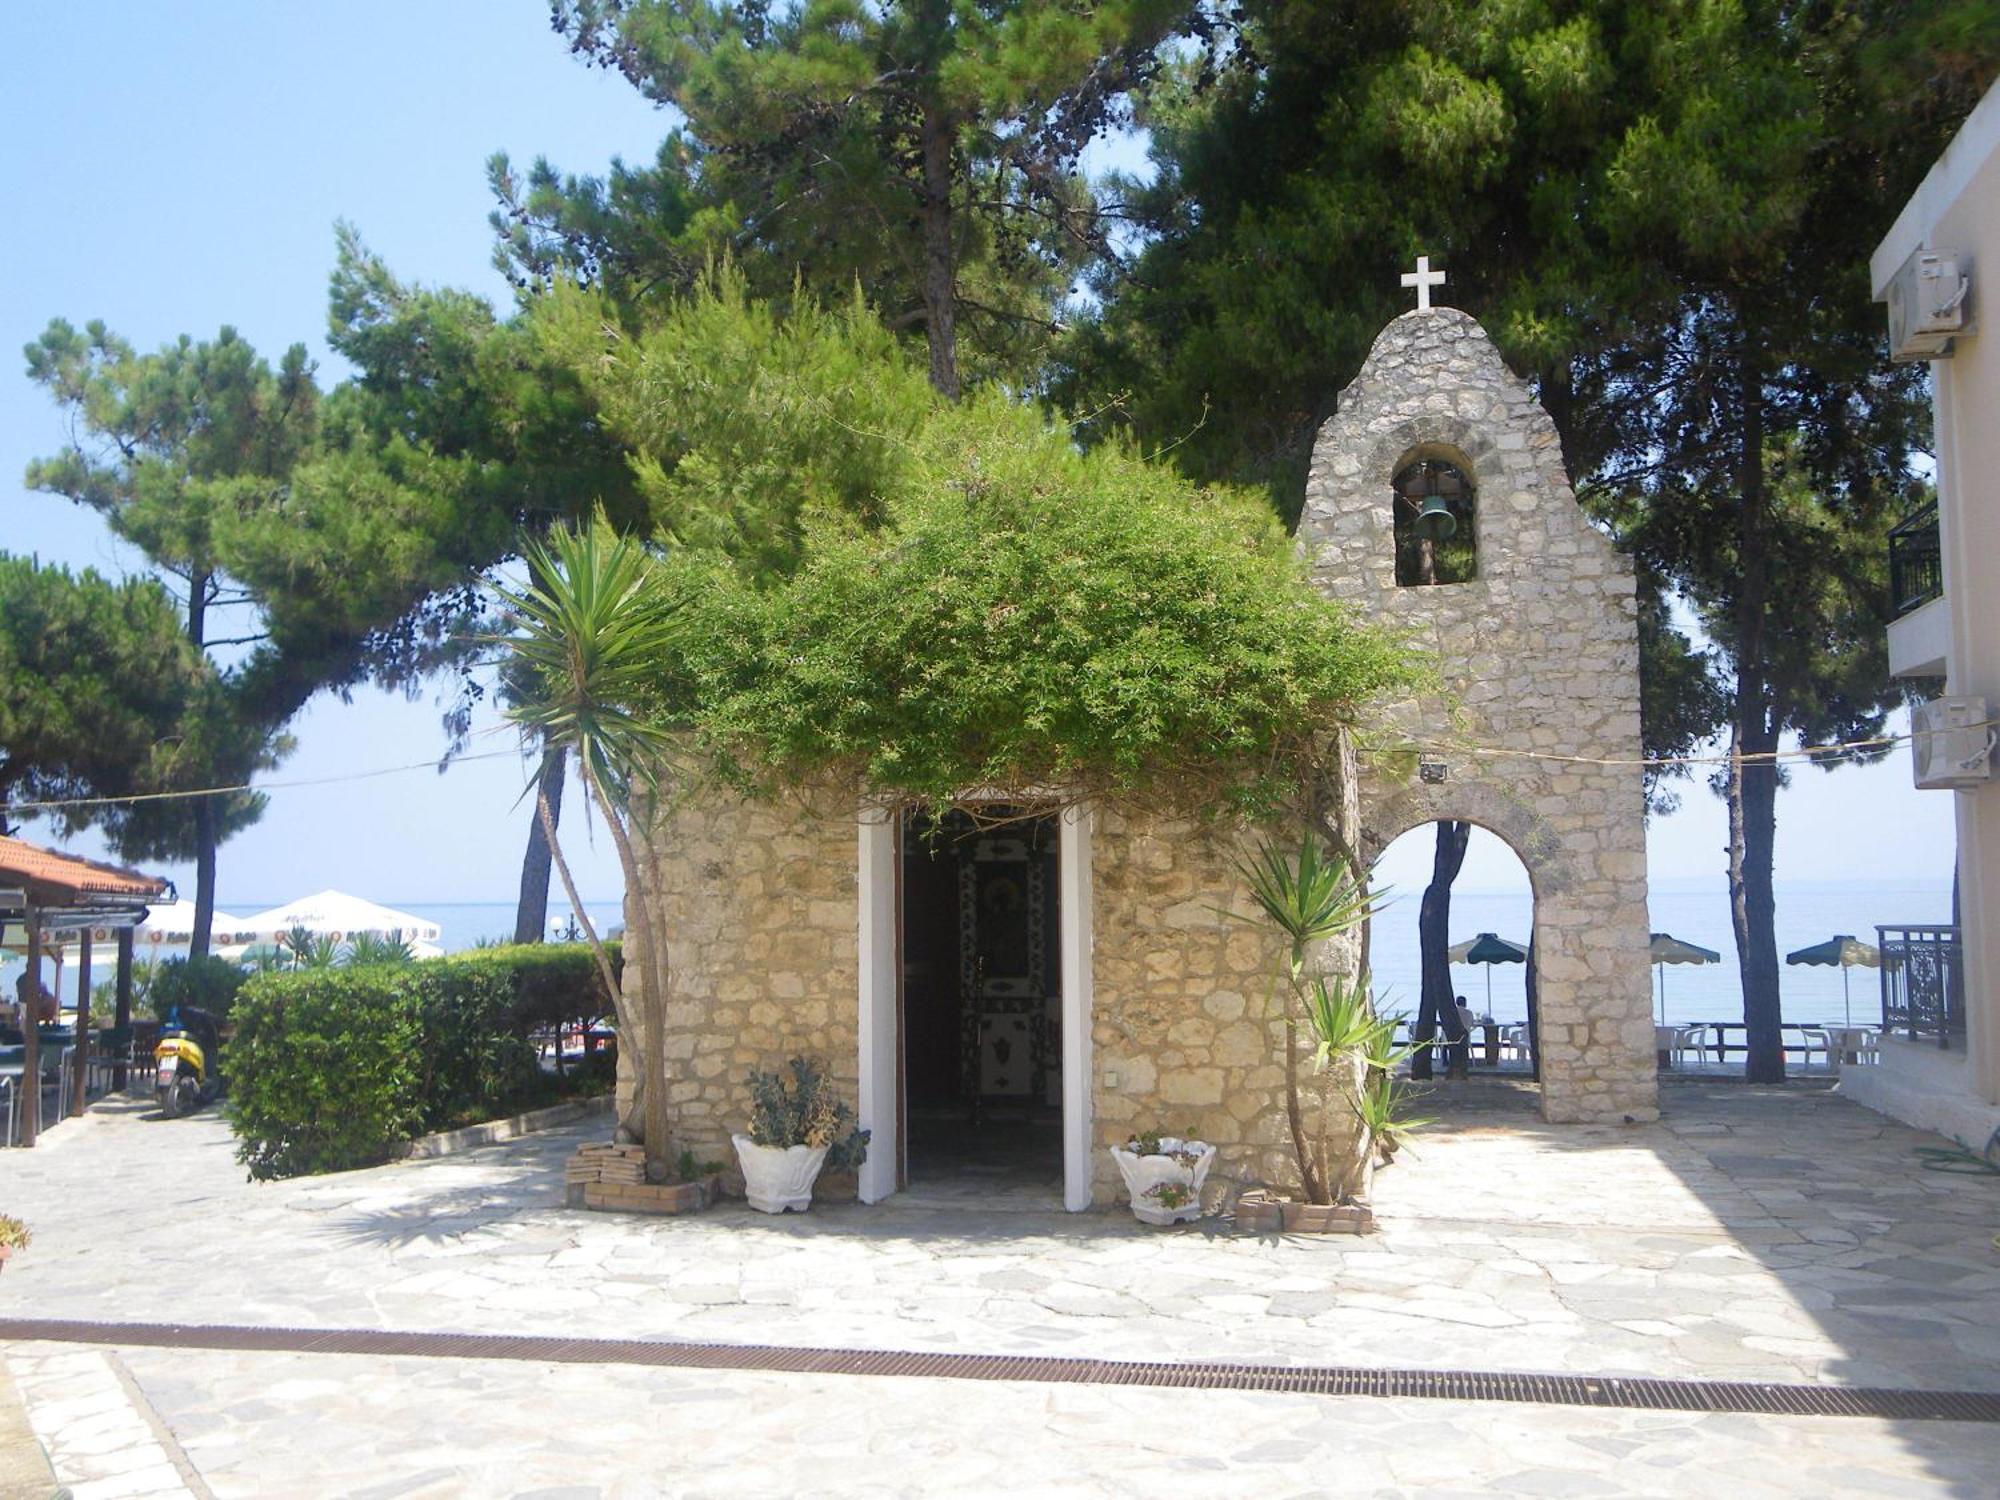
x: 1435, y: 522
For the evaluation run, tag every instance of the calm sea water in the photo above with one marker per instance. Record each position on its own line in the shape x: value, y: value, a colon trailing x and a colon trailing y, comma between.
x: 1695, y: 913
x: 468, y: 923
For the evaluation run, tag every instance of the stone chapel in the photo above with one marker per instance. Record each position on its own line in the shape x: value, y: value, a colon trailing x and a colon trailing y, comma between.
x: 1005, y: 1003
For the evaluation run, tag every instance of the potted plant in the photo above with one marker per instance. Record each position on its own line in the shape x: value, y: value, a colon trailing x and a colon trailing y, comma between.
x: 1163, y: 1175
x: 798, y: 1126
x: 13, y: 1236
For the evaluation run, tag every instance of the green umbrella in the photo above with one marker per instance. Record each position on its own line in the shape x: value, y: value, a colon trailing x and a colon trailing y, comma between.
x: 1488, y: 948
x: 1668, y: 949
x: 1846, y: 950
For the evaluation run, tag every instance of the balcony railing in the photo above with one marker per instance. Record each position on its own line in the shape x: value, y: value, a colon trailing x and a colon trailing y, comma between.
x: 1916, y: 562
x: 1923, y: 984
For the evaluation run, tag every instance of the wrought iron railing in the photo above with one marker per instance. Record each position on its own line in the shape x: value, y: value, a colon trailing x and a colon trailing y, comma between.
x: 1923, y: 984
x: 1916, y: 562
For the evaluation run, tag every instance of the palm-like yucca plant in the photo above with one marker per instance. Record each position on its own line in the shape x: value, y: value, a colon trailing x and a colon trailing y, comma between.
x: 311, y: 950
x: 589, y: 632
x: 1311, y: 897
x: 369, y: 948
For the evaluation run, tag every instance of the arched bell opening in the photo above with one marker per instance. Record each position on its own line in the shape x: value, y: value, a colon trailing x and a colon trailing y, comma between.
x: 1435, y: 507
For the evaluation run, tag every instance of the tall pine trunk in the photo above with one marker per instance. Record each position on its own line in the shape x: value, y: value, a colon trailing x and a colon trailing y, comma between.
x: 205, y: 838
x: 940, y: 284
x: 531, y: 912
x: 1751, y: 787
x: 1752, y: 792
x: 1435, y: 1008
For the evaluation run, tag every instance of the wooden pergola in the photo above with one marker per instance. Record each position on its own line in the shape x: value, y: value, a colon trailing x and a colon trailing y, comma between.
x: 48, y: 894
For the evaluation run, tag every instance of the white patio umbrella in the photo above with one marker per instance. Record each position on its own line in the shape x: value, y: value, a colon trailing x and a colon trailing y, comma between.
x: 171, y: 924
x: 1668, y: 949
x: 337, y: 915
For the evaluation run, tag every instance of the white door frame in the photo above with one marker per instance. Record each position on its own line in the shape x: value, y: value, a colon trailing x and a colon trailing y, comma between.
x: 880, y: 1066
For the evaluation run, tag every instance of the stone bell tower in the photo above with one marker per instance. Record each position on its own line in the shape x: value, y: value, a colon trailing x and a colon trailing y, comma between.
x: 1437, y: 505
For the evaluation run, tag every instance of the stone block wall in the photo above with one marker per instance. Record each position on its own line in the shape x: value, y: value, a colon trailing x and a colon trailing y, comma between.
x: 1184, y: 1012
x: 758, y: 903
x: 1540, y: 656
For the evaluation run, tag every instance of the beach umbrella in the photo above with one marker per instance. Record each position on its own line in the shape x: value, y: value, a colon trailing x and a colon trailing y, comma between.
x: 170, y: 924
x: 1667, y: 949
x: 1846, y: 950
x: 1489, y: 949
x: 340, y: 916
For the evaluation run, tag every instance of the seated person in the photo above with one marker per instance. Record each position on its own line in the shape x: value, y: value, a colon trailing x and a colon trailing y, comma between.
x: 35, y: 996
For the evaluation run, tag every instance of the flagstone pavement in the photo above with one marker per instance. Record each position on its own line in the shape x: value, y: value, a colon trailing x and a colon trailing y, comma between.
x: 1760, y: 1234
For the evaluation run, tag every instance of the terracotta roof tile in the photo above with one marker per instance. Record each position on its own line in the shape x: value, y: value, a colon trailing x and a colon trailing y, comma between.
x: 21, y: 863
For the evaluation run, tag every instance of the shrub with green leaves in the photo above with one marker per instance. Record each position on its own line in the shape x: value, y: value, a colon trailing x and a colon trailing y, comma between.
x: 334, y: 1068
x: 322, y: 1070
x: 555, y: 984
x: 1031, y: 616
x: 205, y: 982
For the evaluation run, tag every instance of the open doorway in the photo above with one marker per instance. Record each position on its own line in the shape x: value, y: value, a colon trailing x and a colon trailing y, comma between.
x: 981, y: 1033
x: 1452, y: 951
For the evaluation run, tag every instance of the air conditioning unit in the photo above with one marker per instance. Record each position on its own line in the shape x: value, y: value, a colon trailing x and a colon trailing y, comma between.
x: 1951, y: 743
x: 1927, y: 307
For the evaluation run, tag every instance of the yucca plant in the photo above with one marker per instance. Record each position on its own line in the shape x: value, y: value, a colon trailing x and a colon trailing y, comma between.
x: 1311, y: 896
x: 312, y: 950
x: 368, y: 948
x: 590, y: 632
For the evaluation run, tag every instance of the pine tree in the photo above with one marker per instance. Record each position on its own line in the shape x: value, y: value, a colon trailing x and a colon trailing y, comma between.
x: 925, y: 149
x: 1663, y: 215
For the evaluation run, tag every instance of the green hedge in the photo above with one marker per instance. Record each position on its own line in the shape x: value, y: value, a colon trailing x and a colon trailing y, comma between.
x: 208, y: 983
x: 553, y: 983
x: 333, y: 1068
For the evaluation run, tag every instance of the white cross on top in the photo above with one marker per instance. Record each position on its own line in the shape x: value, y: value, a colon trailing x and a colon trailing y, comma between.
x: 1423, y: 279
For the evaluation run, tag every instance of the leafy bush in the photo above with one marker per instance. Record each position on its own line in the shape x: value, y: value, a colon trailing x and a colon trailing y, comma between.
x: 333, y: 1068
x: 1030, y: 617
x: 208, y: 983
x: 555, y: 984
x: 803, y: 1110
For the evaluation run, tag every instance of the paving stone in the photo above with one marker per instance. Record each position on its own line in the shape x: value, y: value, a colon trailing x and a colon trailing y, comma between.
x: 1512, y: 1246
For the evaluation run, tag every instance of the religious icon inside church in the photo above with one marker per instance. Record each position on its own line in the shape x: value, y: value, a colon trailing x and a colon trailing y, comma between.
x: 1436, y: 528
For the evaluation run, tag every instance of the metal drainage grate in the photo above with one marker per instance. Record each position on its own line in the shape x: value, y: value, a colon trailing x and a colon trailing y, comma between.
x: 1311, y: 1380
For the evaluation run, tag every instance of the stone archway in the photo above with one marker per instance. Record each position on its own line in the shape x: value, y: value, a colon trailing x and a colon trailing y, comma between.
x: 1536, y: 737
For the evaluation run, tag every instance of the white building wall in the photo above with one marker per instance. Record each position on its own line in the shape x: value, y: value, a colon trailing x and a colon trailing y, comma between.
x: 1957, y: 211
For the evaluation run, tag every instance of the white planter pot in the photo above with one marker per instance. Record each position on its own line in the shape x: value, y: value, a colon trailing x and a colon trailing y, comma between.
x: 776, y: 1178
x: 1144, y: 1173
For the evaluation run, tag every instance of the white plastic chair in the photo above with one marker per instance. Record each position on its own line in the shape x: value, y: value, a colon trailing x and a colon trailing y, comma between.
x: 1814, y: 1039
x: 1690, y: 1039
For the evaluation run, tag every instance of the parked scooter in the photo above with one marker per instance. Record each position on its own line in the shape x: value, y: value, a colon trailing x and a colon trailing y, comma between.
x: 188, y: 1061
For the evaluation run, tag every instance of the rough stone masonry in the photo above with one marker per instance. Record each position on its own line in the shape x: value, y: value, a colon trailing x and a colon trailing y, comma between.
x: 1539, y: 652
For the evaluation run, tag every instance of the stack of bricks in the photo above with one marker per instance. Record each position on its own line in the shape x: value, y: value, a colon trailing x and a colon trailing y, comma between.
x: 613, y: 1179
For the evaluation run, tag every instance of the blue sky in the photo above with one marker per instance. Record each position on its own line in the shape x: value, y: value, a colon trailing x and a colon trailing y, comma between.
x: 174, y: 168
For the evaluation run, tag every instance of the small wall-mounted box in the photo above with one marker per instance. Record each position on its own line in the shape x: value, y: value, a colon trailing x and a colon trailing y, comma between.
x: 1951, y: 743
x: 1929, y: 306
